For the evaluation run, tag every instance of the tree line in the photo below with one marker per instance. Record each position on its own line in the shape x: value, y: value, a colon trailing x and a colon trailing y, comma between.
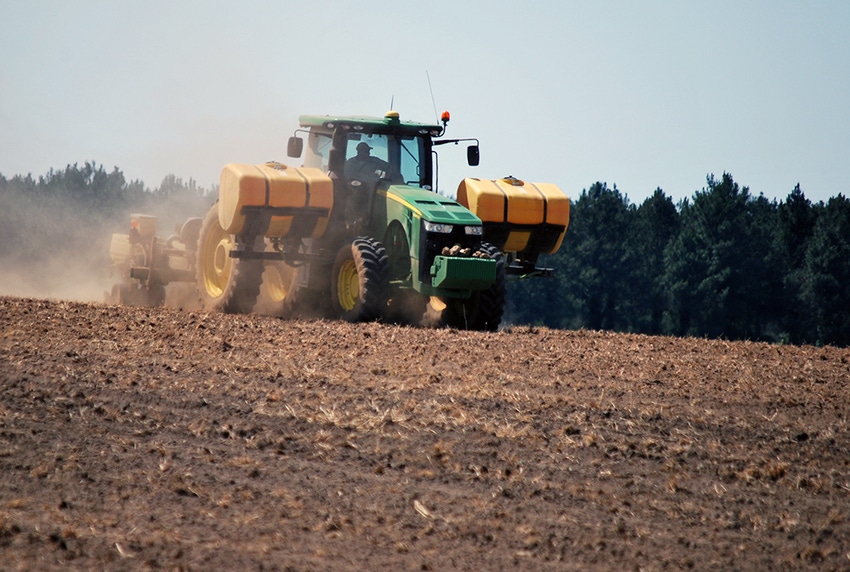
x: 722, y: 264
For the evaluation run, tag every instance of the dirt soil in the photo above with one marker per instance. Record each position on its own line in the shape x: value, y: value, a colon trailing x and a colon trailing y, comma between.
x: 135, y: 439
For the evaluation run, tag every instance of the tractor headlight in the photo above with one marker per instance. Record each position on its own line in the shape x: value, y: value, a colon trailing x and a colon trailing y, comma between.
x: 474, y: 230
x: 438, y: 227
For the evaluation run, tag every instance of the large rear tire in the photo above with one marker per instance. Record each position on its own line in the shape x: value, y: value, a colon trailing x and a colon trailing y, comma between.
x: 360, y: 281
x: 483, y: 310
x: 225, y: 284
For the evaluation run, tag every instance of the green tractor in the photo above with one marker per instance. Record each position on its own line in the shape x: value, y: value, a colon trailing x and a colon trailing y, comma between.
x: 358, y: 232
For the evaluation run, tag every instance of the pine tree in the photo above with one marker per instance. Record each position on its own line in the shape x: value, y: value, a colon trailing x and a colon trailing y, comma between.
x: 827, y: 273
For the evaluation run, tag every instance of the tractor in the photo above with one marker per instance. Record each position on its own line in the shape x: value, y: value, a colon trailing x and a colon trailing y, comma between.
x: 357, y: 232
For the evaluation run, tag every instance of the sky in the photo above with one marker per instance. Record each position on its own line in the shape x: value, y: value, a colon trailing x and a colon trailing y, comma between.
x: 641, y: 95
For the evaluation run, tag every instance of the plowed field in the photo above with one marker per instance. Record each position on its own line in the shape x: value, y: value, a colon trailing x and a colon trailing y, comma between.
x: 164, y: 439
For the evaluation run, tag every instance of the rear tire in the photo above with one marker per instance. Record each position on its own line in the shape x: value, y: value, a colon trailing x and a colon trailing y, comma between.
x: 225, y: 284
x: 360, y: 281
x: 484, y: 308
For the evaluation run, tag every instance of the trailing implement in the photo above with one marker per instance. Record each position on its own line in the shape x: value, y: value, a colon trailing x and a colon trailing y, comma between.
x: 356, y: 232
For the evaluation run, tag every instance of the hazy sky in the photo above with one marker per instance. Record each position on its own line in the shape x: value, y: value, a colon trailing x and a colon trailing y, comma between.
x: 638, y: 94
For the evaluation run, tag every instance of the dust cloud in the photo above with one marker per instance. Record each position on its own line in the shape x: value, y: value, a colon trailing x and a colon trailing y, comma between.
x: 55, y: 281
x: 55, y: 242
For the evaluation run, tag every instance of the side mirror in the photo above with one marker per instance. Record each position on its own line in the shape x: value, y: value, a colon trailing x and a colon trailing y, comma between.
x: 473, y: 156
x: 294, y: 147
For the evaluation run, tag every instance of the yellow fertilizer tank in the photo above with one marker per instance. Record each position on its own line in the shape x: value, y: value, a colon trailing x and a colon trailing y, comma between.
x: 518, y: 216
x: 285, y: 192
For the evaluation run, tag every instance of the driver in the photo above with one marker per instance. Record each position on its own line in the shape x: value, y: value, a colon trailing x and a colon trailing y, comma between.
x: 364, y: 166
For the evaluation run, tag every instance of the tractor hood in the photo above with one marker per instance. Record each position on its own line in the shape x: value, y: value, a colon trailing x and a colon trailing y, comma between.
x: 430, y: 206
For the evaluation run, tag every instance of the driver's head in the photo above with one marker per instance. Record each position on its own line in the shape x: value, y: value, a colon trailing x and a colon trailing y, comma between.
x: 363, y: 149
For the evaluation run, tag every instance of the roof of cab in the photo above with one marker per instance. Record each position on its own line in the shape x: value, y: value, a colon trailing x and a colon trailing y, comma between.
x: 390, y: 121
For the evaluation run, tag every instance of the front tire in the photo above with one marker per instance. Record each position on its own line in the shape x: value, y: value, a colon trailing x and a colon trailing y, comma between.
x: 360, y: 281
x: 225, y: 284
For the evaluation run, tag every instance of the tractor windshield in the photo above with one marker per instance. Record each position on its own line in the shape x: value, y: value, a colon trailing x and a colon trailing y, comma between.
x: 398, y: 158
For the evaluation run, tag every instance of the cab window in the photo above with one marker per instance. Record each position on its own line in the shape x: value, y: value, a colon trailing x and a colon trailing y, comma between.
x: 318, y: 149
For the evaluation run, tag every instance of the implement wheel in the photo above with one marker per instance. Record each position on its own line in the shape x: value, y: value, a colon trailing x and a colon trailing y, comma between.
x: 225, y: 284
x: 278, y: 291
x: 137, y: 295
x: 484, y: 308
x: 360, y: 281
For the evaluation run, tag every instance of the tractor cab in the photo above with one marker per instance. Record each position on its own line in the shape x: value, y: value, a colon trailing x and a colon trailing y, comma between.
x: 367, y: 150
x: 366, y: 156
x: 370, y: 149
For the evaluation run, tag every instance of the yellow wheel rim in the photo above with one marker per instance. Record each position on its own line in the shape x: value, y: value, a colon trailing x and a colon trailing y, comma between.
x: 278, y: 279
x: 217, y: 261
x: 348, y: 285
